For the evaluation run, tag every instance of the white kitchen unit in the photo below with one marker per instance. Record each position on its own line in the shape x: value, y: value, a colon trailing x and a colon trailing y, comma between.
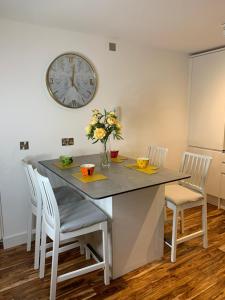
x: 207, y: 114
x: 222, y: 184
x: 1, y: 221
x: 207, y: 101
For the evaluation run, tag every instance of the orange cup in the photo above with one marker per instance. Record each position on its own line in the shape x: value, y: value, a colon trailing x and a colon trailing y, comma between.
x: 87, y: 169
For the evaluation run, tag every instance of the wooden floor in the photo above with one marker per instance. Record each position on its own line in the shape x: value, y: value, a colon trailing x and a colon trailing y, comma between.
x: 197, y: 274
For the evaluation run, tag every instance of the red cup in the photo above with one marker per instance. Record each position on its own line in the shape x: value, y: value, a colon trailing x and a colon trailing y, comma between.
x: 87, y: 169
x: 114, y: 153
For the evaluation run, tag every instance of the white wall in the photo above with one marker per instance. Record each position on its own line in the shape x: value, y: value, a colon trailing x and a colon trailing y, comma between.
x: 150, y: 86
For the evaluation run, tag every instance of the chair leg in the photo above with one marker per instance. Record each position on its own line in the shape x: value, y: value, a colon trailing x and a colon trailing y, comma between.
x: 105, y: 253
x: 174, y: 235
x: 219, y: 203
x: 165, y: 214
x: 204, y: 225
x: 87, y: 253
x: 55, y: 254
x: 37, y: 242
x: 43, y: 252
x: 29, y: 231
x: 81, y: 246
x: 182, y: 221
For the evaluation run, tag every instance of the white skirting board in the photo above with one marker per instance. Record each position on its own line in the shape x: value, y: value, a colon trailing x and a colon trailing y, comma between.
x: 15, y: 239
x: 214, y: 201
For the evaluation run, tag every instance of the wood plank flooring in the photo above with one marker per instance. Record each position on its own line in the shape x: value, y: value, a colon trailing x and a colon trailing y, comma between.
x: 198, y: 273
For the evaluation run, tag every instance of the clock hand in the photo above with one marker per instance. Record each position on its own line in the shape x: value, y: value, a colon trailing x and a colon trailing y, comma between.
x: 75, y: 77
x: 72, y: 78
x: 74, y: 71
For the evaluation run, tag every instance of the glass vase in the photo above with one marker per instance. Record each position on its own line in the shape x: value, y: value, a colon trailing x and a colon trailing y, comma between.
x: 105, y: 155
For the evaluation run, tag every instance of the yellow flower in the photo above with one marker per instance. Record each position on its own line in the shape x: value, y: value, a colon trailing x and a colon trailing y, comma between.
x: 95, y: 112
x: 112, y: 113
x: 94, y: 120
x: 111, y: 120
x: 88, y: 129
x: 99, y: 133
x: 118, y: 125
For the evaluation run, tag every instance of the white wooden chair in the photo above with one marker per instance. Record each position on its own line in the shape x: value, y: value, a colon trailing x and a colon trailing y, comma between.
x: 63, y: 194
x: 35, y: 207
x: 65, y: 222
x: 157, y: 155
x: 186, y: 194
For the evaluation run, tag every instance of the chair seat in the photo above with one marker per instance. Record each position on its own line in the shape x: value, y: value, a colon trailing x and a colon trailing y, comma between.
x: 65, y: 194
x: 79, y: 214
x: 179, y: 194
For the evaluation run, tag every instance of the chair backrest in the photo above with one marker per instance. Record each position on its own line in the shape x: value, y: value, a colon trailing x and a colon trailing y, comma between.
x: 197, y: 166
x: 157, y: 155
x: 50, y: 211
x: 33, y: 184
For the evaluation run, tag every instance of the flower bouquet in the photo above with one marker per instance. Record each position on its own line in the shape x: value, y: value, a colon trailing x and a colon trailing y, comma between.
x: 100, y: 128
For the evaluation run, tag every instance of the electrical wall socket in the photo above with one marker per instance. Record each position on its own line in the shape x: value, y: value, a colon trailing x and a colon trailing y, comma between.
x: 24, y: 145
x: 112, y: 46
x: 67, y: 141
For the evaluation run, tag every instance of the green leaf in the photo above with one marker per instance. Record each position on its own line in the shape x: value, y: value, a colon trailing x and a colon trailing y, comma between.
x: 95, y: 142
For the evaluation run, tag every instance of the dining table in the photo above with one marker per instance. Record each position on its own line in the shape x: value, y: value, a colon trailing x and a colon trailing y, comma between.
x: 134, y: 203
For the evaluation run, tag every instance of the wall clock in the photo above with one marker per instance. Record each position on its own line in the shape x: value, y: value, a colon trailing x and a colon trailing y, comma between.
x: 71, y: 80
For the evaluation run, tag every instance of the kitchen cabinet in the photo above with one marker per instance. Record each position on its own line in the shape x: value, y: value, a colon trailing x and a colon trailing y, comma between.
x: 207, y: 101
x: 206, y: 128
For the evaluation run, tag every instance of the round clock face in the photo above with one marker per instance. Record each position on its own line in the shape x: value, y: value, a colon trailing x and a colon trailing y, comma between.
x: 71, y: 80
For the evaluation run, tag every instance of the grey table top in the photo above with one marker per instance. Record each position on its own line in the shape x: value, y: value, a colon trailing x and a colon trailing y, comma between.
x: 119, y: 178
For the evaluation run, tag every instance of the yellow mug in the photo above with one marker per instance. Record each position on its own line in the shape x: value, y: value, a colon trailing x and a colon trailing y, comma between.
x: 142, y: 162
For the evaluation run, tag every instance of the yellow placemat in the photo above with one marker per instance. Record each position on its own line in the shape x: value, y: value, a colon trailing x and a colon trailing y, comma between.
x: 149, y: 170
x: 119, y: 159
x: 59, y: 165
x: 85, y: 179
x: 122, y: 157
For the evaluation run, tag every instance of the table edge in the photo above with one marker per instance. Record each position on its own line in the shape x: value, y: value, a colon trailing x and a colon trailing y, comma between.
x: 99, y: 198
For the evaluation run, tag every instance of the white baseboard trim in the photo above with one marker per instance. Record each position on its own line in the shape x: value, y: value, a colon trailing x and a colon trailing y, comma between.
x: 214, y: 201
x: 15, y: 240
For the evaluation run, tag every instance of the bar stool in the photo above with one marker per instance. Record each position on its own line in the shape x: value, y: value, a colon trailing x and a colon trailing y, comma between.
x: 62, y: 194
x: 157, y: 155
x: 186, y: 194
x: 71, y: 220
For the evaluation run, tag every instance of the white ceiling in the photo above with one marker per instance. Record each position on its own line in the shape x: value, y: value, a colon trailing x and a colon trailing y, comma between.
x: 183, y: 25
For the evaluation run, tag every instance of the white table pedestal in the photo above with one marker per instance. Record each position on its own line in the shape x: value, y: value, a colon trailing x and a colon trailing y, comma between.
x: 137, y: 228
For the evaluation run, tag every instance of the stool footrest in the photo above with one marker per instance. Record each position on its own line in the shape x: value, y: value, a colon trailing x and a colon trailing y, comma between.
x: 182, y: 239
x: 82, y: 271
x: 64, y: 248
x: 190, y: 236
x: 168, y: 241
x: 94, y: 254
